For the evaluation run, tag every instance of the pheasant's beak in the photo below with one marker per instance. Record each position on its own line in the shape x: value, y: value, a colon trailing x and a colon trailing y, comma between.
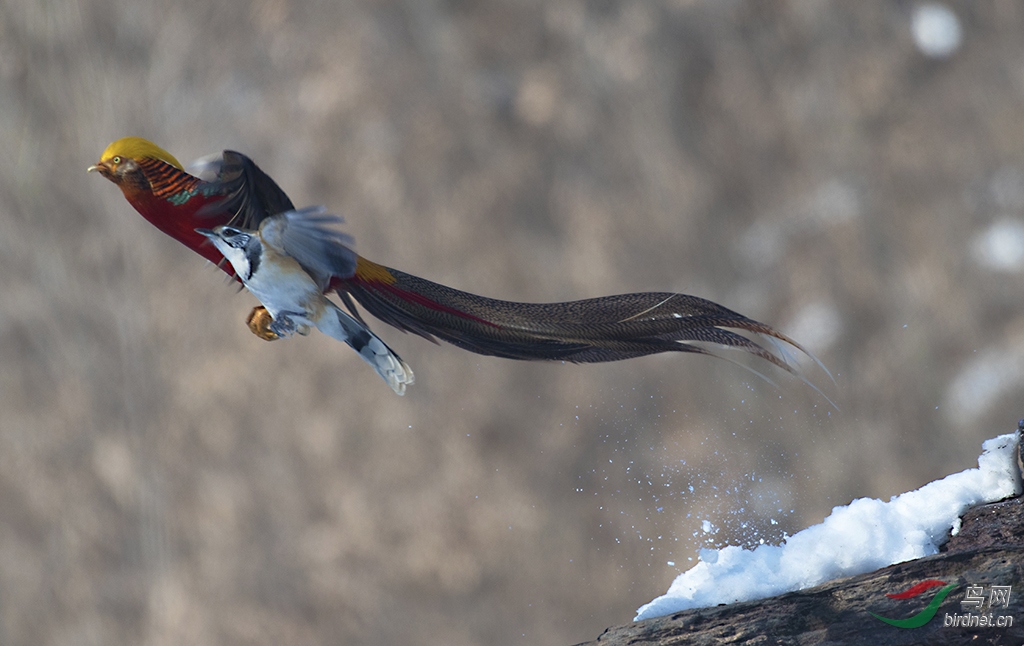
x: 102, y: 168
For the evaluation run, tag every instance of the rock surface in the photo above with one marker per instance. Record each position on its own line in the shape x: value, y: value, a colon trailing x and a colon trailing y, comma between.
x: 988, y: 550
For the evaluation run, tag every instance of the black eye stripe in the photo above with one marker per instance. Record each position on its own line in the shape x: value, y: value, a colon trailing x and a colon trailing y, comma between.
x: 253, y: 255
x: 234, y: 237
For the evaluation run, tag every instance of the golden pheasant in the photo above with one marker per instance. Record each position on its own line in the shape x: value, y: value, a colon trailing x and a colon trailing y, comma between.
x: 231, y: 190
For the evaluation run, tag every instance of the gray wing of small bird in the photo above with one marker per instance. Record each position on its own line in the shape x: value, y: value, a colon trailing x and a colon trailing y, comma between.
x: 309, y: 235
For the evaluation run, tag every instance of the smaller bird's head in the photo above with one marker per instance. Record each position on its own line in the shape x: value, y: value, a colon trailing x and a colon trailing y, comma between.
x: 243, y: 249
x: 120, y: 161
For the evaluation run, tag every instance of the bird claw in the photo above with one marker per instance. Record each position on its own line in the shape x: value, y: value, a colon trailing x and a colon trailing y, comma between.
x: 283, y: 325
x: 263, y: 325
x: 260, y: 322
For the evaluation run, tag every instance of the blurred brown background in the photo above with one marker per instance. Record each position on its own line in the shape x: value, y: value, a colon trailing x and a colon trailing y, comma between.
x: 166, y: 478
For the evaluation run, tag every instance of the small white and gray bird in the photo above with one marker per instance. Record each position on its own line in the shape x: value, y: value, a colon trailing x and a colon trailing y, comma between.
x: 287, y: 264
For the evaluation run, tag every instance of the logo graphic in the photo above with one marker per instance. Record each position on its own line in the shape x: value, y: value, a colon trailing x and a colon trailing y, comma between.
x: 928, y: 612
x: 971, y: 607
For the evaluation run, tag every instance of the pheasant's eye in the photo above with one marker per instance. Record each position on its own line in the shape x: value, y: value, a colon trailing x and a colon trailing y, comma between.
x: 117, y: 159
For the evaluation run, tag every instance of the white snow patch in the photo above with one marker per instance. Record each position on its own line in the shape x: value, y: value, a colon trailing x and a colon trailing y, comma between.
x: 861, y: 537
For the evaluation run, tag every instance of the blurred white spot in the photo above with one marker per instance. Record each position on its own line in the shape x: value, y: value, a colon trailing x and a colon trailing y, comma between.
x: 831, y: 203
x: 112, y: 462
x: 537, y: 97
x: 706, y: 526
x: 816, y: 326
x: 168, y: 603
x: 834, y: 201
x: 1001, y: 246
x: 320, y: 95
x: 762, y: 244
x: 982, y: 382
x: 936, y: 30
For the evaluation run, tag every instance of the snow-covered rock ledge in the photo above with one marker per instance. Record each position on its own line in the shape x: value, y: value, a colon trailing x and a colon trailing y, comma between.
x: 841, y: 557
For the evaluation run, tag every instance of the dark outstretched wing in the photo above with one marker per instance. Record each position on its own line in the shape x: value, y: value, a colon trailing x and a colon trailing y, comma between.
x: 249, y: 195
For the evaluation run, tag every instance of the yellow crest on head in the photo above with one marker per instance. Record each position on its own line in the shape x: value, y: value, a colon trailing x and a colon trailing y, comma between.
x: 138, y: 148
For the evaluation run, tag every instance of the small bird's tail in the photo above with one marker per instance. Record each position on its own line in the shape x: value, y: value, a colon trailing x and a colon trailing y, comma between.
x: 337, y: 324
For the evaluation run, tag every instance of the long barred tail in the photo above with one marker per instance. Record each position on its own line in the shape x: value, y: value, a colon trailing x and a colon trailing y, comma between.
x: 594, y: 330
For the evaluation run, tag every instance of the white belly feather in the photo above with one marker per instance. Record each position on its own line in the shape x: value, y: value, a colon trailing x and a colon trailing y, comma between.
x: 283, y: 286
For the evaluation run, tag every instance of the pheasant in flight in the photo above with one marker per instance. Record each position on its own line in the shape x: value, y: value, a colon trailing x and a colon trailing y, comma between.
x: 228, y: 189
